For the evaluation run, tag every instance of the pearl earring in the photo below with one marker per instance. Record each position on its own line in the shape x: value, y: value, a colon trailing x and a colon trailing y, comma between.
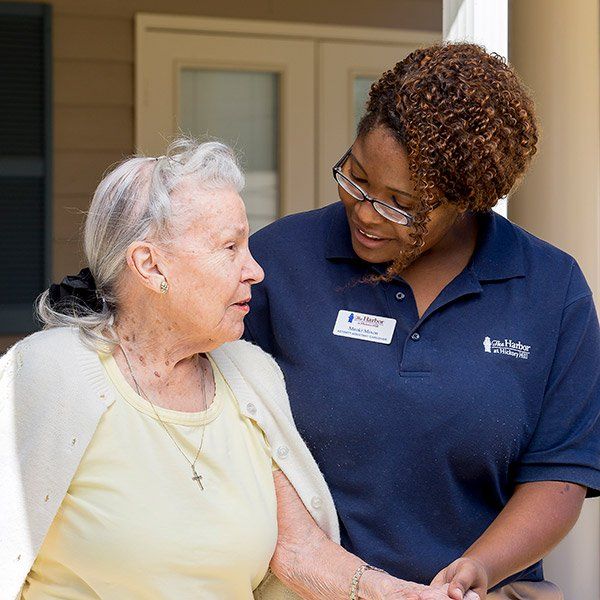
x: 164, y: 286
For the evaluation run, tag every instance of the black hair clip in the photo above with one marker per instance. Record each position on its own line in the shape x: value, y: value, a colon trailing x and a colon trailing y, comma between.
x: 76, y: 293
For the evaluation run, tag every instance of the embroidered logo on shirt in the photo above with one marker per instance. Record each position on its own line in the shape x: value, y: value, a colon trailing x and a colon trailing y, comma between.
x: 506, y: 346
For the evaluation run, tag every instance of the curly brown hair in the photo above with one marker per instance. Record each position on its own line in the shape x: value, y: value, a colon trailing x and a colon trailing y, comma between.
x: 466, y: 121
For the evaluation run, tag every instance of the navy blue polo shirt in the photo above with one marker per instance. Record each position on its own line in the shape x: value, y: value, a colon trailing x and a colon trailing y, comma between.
x: 423, y: 440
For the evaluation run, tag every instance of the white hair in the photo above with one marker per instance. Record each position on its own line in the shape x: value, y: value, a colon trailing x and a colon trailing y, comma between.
x: 133, y: 202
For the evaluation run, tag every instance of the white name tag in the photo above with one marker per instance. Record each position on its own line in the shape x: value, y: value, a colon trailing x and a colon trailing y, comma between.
x: 360, y: 326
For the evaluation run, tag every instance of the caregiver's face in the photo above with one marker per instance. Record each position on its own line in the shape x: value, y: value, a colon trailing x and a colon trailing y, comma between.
x: 379, y: 165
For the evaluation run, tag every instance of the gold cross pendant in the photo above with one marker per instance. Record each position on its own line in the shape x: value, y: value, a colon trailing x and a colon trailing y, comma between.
x: 197, y: 478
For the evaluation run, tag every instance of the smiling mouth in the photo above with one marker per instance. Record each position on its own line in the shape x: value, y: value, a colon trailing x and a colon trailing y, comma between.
x: 369, y: 235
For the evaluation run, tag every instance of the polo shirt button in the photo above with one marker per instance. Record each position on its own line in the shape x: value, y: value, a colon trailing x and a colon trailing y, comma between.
x: 415, y: 336
x: 251, y: 408
x: 283, y: 451
x: 316, y: 502
x: 400, y: 296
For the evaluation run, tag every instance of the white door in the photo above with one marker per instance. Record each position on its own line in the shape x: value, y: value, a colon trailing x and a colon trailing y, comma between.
x: 254, y: 93
x: 346, y: 72
x: 287, y: 96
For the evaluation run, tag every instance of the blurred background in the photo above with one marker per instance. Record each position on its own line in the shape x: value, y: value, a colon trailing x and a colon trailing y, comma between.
x: 85, y: 83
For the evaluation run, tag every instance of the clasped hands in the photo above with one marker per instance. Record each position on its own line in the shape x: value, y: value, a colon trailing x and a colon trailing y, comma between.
x: 464, y: 579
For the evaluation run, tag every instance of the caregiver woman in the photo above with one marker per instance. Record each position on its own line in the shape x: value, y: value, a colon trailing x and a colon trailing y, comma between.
x: 441, y: 362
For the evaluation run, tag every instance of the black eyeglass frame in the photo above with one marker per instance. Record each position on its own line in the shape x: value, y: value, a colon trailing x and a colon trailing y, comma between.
x: 337, y: 172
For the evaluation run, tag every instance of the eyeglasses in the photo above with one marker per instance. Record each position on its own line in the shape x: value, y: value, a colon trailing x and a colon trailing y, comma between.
x: 392, y: 213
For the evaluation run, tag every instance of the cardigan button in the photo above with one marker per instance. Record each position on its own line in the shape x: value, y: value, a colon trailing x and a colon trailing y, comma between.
x: 251, y: 408
x: 316, y: 502
x: 283, y: 451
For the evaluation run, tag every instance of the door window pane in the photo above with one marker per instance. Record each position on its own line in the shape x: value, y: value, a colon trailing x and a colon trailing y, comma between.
x: 240, y: 108
x: 362, y: 85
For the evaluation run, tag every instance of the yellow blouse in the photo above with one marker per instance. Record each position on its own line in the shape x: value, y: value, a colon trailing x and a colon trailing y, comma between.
x: 135, y: 525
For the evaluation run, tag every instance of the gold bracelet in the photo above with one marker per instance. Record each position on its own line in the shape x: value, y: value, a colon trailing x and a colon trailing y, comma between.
x: 357, y: 575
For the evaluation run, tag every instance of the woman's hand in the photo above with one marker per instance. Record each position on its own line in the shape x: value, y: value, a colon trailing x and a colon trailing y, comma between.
x: 462, y: 575
x: 313, y: 566
x: 376, y: 585
x: 537, y: 516
x: 381, y: 586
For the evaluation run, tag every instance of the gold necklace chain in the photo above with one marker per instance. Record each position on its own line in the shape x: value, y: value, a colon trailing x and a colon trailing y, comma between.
x: 196, y: 477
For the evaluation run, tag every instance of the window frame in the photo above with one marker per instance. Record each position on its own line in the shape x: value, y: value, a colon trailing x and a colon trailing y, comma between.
x: 20, y: 318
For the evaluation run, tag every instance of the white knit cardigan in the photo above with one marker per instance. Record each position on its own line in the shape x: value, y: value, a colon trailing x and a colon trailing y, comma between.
x: 53, y: 393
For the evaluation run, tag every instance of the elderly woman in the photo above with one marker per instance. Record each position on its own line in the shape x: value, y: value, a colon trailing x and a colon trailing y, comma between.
x: 136, y: 431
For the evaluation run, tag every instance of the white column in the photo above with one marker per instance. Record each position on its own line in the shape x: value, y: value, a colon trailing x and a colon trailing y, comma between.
x: 483, y: 22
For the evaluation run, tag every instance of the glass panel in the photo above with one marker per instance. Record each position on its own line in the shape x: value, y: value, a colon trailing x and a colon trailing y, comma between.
x: 240, y: 108
x: 362, y: 85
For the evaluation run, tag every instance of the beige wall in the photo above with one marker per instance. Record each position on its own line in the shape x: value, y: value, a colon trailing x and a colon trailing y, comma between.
x: 554, y: 45
x: 93, y: 44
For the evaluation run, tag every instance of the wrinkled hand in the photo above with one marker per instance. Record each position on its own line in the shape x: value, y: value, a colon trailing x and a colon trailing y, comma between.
x: 462, y: 575
x: 382, y: 586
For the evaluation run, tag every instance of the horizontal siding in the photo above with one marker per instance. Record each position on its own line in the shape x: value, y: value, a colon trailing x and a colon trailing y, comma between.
x: 92, y: 83
x: 409, y: 14
x: 93, y: 118
x: 67, y: 258
x: 68, y: 214
x: 93, y: 128
x: 78, y: 173
x: 93, y: 38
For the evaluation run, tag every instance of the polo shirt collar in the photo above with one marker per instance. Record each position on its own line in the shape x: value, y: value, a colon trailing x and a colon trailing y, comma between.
x: 498, y: 254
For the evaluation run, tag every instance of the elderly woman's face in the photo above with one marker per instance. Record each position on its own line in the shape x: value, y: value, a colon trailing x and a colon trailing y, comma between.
x: 209, y: 267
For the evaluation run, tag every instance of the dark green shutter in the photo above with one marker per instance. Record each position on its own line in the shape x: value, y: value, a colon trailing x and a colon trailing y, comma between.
x: 25, y: 161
